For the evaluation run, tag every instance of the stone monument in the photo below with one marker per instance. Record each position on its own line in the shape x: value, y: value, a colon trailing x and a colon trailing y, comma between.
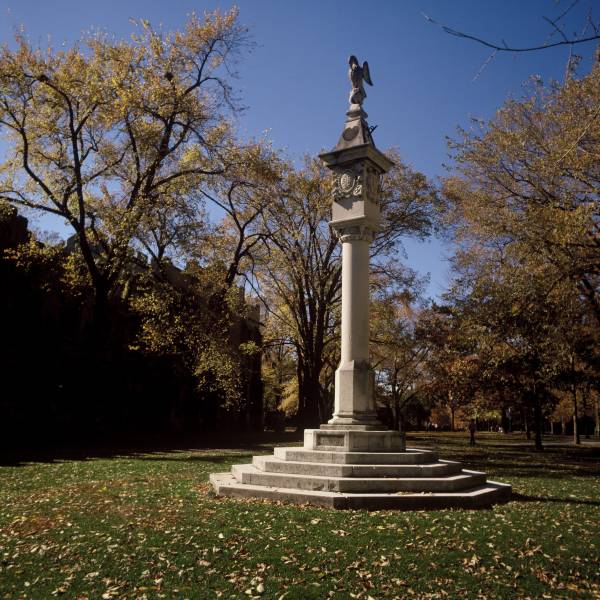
x: 352, y: 461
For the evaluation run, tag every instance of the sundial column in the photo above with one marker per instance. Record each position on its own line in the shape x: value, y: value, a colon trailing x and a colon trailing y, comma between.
x: 355, y: 220
x: 355, y: 217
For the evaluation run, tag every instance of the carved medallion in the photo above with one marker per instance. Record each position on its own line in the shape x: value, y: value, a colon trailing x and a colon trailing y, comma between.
x: 346, y: 182
x: 350, y: 133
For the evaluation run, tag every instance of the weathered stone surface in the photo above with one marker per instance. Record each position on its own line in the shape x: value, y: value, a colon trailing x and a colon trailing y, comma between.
x: 410, y: 457
x: 482, y: 496
x: 408, y: 480
x: 450, y: 483
x: 352, y: 440
x: 273, y: 464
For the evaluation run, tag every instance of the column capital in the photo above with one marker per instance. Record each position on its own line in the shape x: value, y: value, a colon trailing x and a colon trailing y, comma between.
x: 355, y: 233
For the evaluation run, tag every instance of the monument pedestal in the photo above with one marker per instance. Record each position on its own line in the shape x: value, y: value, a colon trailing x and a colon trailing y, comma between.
x: 365, y: 473
x: 338, y: 439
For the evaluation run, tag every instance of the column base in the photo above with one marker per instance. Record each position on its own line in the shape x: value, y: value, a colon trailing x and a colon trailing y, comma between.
x: 354, y: 397
x: 354, y: 440
x: 353, y: 423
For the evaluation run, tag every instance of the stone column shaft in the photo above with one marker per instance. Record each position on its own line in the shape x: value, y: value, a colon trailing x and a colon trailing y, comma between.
x: 355, y: 299
x: 354, y: 378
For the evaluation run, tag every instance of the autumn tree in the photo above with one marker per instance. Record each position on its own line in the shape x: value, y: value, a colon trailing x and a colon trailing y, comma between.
x: 518, y: 329
x: 102, y: 133
x: 245, y: 195
x: 397, y: 355
x: 530, y: 177
x: 299, y: 275
x: 299, y: 278
x: 197, y: 314
x: 523, y: 209
x: 450, y: 362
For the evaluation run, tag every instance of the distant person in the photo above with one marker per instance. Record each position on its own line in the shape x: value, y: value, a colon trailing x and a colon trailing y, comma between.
x: 472, y: 430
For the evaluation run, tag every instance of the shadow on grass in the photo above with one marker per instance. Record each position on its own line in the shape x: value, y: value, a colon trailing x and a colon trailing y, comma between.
x: 505, y: 457
x: 144, y: 448
x: 243, y: 454
x: 516, y: 497
x: 555, y: 468
x: 514, y: 456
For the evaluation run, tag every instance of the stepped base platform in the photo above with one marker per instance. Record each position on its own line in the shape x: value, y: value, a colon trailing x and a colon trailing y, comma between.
x: 368, y: 469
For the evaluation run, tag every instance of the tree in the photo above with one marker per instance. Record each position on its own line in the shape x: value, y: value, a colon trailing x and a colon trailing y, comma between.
x: 102, y: 133
x: 450, y: 361
x: 555, y: 28
x: 299, y: 272
x: 299, y: 276
x: 517, y: 329
x: 529, y: 178
x: 397, y: 356
x: 244, y: 195
x: 524, y: 211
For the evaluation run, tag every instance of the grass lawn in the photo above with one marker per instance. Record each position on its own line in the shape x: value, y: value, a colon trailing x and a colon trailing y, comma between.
x: 146, y: 525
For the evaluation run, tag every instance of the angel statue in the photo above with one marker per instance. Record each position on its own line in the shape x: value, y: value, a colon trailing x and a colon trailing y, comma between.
x: 357, y: 75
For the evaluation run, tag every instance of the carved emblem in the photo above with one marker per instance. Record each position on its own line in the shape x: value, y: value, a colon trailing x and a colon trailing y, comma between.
x: 346, y: 182
x: 350, y: 133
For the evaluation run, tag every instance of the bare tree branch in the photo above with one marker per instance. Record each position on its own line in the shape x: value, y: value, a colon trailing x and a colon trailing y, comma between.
x: 506, y: 48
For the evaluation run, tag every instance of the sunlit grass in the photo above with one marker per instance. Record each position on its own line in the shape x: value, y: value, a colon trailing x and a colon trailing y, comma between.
x: 148, y: 526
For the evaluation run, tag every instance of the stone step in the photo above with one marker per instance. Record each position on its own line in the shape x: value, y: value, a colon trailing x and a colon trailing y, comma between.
x: 482, y: 496
x: 249, y: 474
x: 412, y: 456
x: 272, y: 464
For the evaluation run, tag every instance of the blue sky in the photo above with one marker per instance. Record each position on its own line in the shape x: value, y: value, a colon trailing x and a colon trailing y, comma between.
x: 294, y: 83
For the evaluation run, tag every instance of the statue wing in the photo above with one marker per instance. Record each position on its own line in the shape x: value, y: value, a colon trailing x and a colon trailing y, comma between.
x: 366, y: 74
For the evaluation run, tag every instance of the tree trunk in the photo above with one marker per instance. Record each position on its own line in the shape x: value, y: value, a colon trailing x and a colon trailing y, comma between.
x: 309, y: 390
x: 253, y: 383
x: 596, y: 417
x: 504, y: 419
x: 100, y: 326
x: 576, y: 438
x: 537, y: 421
x: 451, y: 407
x: 584, y: 402
x: 396, y: 403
